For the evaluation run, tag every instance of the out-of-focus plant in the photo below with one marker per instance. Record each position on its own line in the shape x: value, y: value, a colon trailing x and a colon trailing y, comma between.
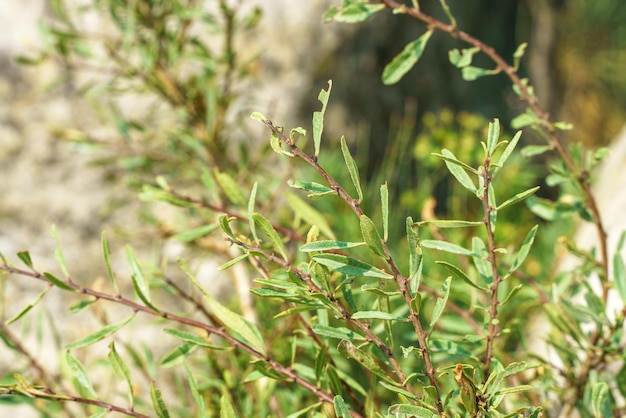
x: 350, y: 321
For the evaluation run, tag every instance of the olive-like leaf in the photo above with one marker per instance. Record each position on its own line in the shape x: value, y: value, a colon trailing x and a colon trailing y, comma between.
x: 524, y: 250
x: 518, y: 198
x: 318, y: 118
x: 100, y: 334
x: 350, y: 266
x: 405, y: 60
x: 370, y: 236
x: 266, y: 227
x: 440, y: 304
x: 326, y: 245
x: 352, y: 168
x: 446, y: 246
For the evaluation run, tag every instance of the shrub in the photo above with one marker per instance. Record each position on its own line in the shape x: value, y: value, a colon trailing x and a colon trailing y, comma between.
x: 348, y: 318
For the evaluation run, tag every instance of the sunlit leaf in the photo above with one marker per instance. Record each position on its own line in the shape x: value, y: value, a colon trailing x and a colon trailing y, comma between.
x: 99, y: 335
x: 365, y: 359
x: 350, y: 266
x: 268, y: 230
x: 325, y: 245
x: 524, y: 250
x: 79, y: 374
x: 341, y: 409
x: 157, y: 402
x: 462, y: 58
x: 370, y: 236
x: 518, y: 198
x: 352, y: 168
x: 352, y: 13
x: 309, y: 214
x: 318, y: 118
x: 440, y: 303
x: 405, y: 60
x: 445, y: 246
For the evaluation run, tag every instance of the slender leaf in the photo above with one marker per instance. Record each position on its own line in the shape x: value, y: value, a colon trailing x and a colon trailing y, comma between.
x: 619, y: 272
x: 493, y: 136
x: 316, y: 190
x: 248, y: 332
x: 121, y: 370
x: 532, y: 150
x: 224, y: 222
x: 58, y: 282
x: 25, y: 257
x: 28, y: 307
x: 409, y: 410
x: 340, y: 333
x: 518, y: 54
x: 157, y: 402
x: 318, y: 118
x: 177, y: 355
x: 471, y: 73
x: 251, y: 203
x: 415, y: 257
x: 509, y: 149
x: 341, y: 409
x: 192, y: 338
x: 230, y: 188
x: 440, y: 304
x: 524, y: 250
x: 512, y: 293
x: 370, y: 236
x: 58, y: 252
x: 325, y: 245
x: 446, y: 246
x: 480, y: 260
x: 195, y: 392
x: 266, y: 227
x: 350, y: 266
x: 525, y: 119
x: 227, y: 409
x: 405, y: 60
x: 385, y: 316
x: 79, y: 374
x: 518, y: 198
x: 99, y: 335
x: 352, y: 168
x: 232, y: 262
x: 258, y: 116
x: 457, y: 171
x: 384, y: 204
x: 461, y: 275
x: 450, y: 223
x: 354, y: 12
x: 196, y: 233
x: 106, y: 251
x: 366, y: 360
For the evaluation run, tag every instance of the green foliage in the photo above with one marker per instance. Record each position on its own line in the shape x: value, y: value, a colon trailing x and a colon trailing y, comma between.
x: 346, y: 321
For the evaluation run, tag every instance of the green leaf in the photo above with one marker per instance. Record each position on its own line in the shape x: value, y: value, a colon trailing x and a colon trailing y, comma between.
x: 352, y: 168
x: 58, y: 282
x: 512, y: 293
x: 121, y: 370
x: 247, y: 331
x: 317, y: 190
x: 106, y: 251
x: 461, y: 274
x: 58, y: 253
x: 415, y: 257
x: 230, y: 188
x: 79, y: 374
x: 384, y: 204
x: 278, y: 145
x: 518, y: 54
x: 139, y: 280
x: 99, y: 335
x: 509, y: 149
x: 309, y: 214
x: 251, y: 203
x: 462, y: 58
x: 318, y: 118
x: 350, y: 266
x: 266, y: 227
x: 341, y: 409
x: 352, y: 13
x: 446, y: 246
x: 525, y: 119
x: 619, y: 272
x: 192, y: 338
x: 480, y: 260
x: 517, y: 198
x: 28, y: 307
x: 227, y: 410
x: 177, y: 355
x: 366, y: 360
x: 224, y: 222
x: 234, y: 261
x: 370, y: 236
x: 385, y: 316
x: 449, y: 223
x: 456, y: 169
x: 524, y: 250
x: 405, y: 60
x: 340, y: 333
x: 196, y: 233
x: 408, y: 410
x: 258, y: 116
x: 151, y: 193
x: 25, y: 257
x: 325, y: 245
x: 471, y: 73
x: 195, y: 392
x: 440, y: 304
x: 493, y: 136
x: 157, y: 402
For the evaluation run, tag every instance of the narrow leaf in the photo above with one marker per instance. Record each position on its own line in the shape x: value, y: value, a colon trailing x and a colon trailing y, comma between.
x: 458, y: 172
x: 258, y: 116
x: 384, y: 204
x: 248, y: 332
x: 341, y: 409
x: 58, y: 253
x: 524, y: 250
x: 316, y: 190
x: 234, y: 261
x: 106, y: 251
x: 340, y: 333
x: 230, y: 188
x: 493, y: 136
x: 28, y: 307
x: 224, y: 222
x: 227, y: 409
x: 350, y: 266
x: 352, y: 168
x: 58, y: 282
x: 517, y: 198
x: 532, y: 150
x: 450, y: 223
x: 157, y: 402
x: 509, y: 149
x: 251, y: 203
x: 370, y: 236
x: 326, y: 245
x: 415, y: 256
x: 266, y: 227
x: 446, y: 246
x: 409, y: 410
x: 196, y: 233
x: 318, y: 118
x: 25, y: 257
x: 79, y: 374
x: 405, y: 60
x: 471, y: 73
x: 354, y: 12
x: 385, y: 316
x: 137, y: 276
x: 99, y: 335
x: 461, y: 275
x: 619, y: 272
x: 366, y: 360
x: 440, y: 304
x: 121, y: 370
x: 195, y: 393
x: 525, y: 119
